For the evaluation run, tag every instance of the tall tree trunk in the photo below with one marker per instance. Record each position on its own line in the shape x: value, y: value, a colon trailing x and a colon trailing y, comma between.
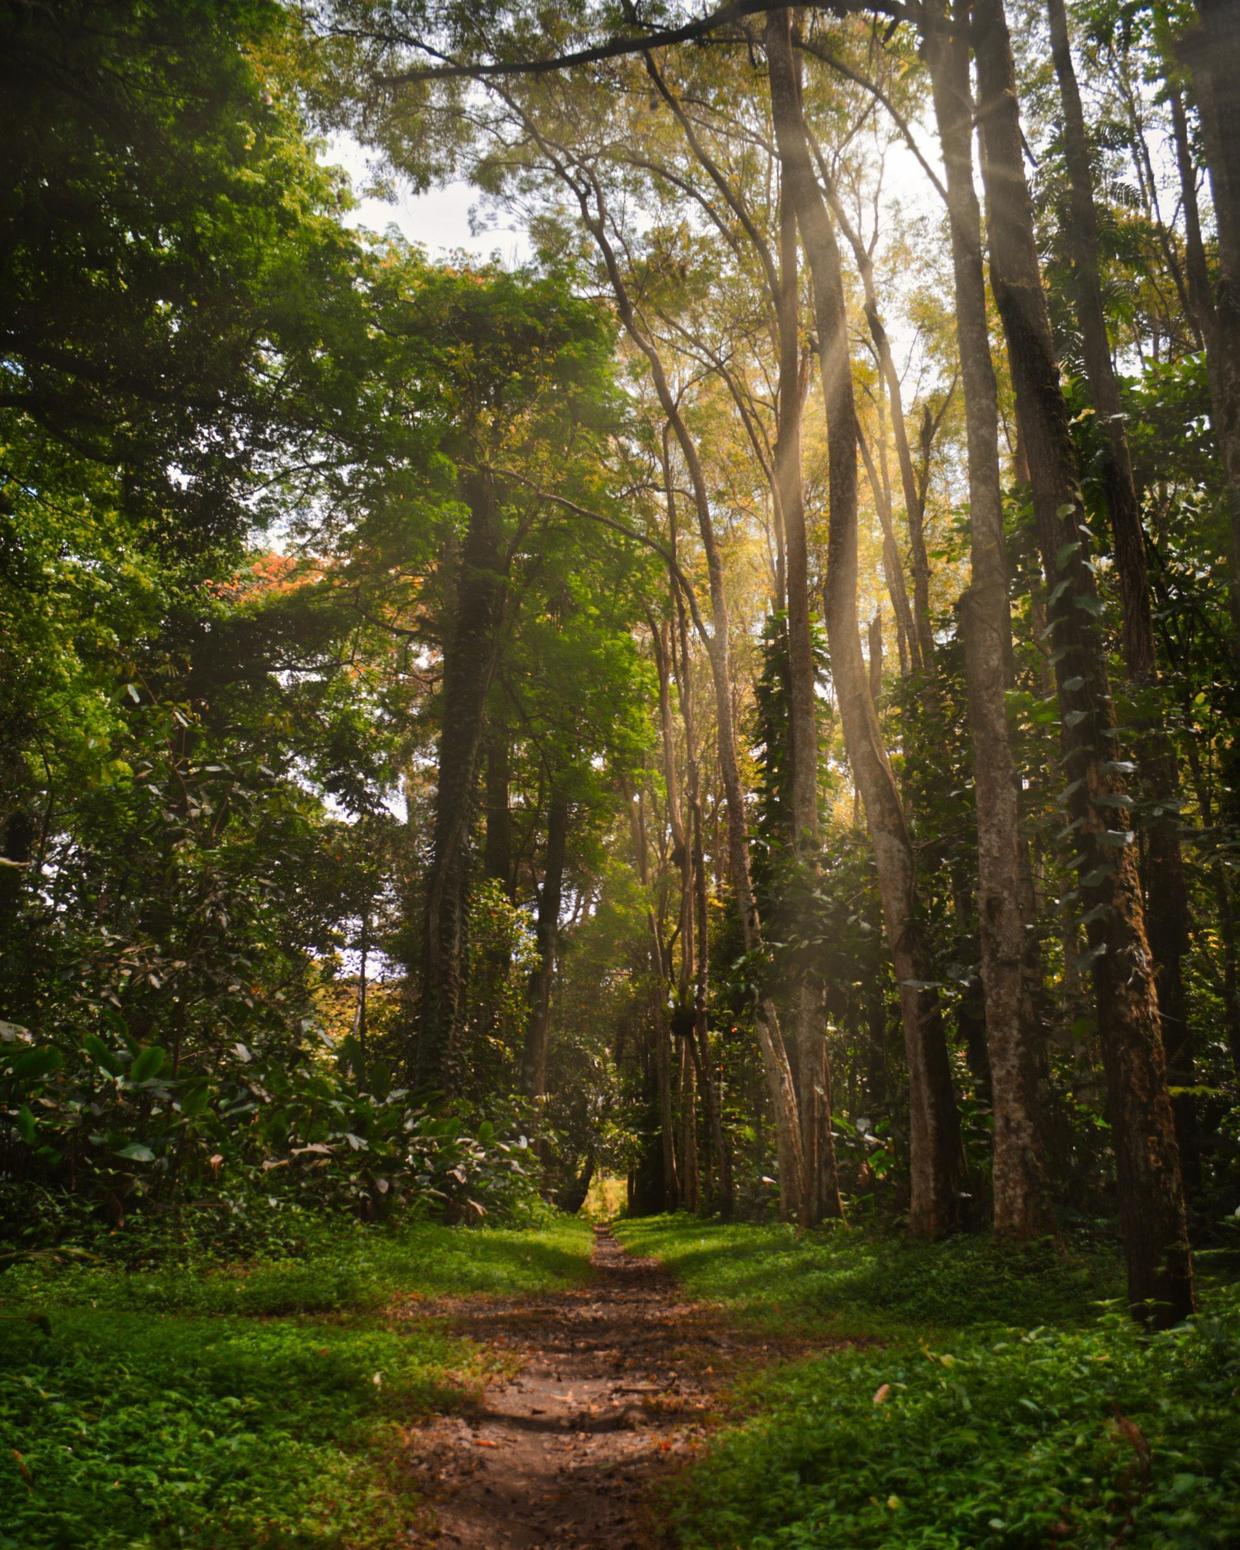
x: 720, y: 1190
x: 470, y: 654
x: 359, y: 1010
x: 914, y: 499
x: 1012, y: 1032
x: 809, y: 1031
x: 906, y: 637
x: 1212, y: 53
x: 1166, y: 892
x: 1150, y: 1187
x: 497, y: 846
x: 934, y: 1124
x: 807, y: 1034
x: 688, y: 1177
x: 18, y: 846
x: 1200, y: 306
x: 546, y: 938
x: 874, y: 647
x: 660, y: 1023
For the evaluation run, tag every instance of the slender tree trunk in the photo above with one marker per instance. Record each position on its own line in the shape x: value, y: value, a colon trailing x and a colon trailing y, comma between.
x: 1212, y: 53
x: 660, y: 1024
x: 874, y: 647
x: 1226, y: 915
x: 546, y: 937
x: 359, y: 1010
x: 906, y: 638
x: 1200, y: 305
x: 18, y: 844
x: 1150, y: 1187
x: 774, y: 1054
x: 470, y: 654
x: 1012, y: 1032
x: 934, y: 1125
x: 689, y: 1179
x: 1166, y: 891
x: 721, y: 1193
x: 809, y: 1032
x: 914, y: 500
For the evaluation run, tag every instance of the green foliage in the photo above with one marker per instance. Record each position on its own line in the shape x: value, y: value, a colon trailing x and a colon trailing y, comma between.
x: 842, y: 1281
x: 184, y: 1406
x: 120, y: 1135
x: 140, y: 1430
x: 1089, y: 1436
x: 976, y: 1399
x: 319, y: 1265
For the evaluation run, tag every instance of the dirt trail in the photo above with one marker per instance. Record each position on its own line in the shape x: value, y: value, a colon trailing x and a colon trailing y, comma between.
x: 614, y: 1385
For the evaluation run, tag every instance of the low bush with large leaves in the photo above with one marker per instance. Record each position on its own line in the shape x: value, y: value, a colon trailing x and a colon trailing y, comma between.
x: 112, y: 1126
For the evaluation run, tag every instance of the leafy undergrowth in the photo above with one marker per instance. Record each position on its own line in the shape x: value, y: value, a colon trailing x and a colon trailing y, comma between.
x: 252, y: 1406
x: 950, y: 1431
x: 842, y: 1283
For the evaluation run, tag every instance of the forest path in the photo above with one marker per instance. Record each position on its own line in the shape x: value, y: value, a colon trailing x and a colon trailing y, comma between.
x: 613, y: 1386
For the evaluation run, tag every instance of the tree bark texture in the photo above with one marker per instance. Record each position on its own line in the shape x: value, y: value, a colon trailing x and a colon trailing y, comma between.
x: 720, y: 1189
x: 1166, y: 891
x: 1212, y: 52
x: 1012, y: 1031
x: 808, y: 1022
x: 546, y: 937
x: 497, y: 845
x: 470, y: 654
x: 1150, y: 1189
x: 922, y: 635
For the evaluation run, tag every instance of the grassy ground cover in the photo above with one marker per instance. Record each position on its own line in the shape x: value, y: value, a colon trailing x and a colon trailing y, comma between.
x: 998, y: 1405
x: 258, y: 1405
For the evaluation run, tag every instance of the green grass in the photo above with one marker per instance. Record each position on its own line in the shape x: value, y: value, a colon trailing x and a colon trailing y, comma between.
x: 349, y: 1268
x: 994, y: 1408
x: 839, y: 1283
x: 251, y: 1406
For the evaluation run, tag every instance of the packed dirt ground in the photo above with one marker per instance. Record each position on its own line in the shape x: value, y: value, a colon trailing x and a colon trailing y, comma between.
x: 612, y: 1386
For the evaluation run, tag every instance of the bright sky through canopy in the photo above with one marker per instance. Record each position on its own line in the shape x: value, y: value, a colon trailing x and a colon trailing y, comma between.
x: 438, y: 220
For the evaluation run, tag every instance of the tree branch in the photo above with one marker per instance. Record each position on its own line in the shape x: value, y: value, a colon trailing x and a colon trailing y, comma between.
x: 614, y: 48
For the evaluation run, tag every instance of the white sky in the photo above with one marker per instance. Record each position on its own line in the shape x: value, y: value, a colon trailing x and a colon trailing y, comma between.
x: 438, y: 220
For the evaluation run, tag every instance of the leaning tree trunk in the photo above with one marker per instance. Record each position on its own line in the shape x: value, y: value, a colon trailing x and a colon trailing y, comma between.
x: 470, y: 653
x: 934, y: 1125
x: 1151, y: 1194
x: 1012, y: 1032
x: 1166, y: 891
